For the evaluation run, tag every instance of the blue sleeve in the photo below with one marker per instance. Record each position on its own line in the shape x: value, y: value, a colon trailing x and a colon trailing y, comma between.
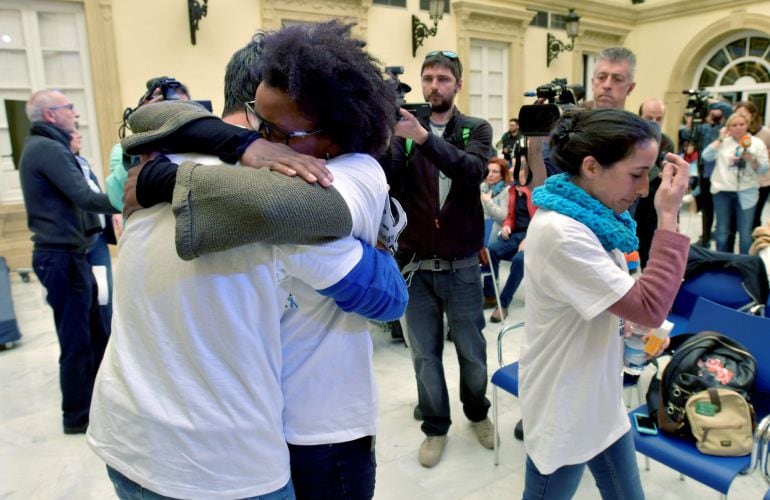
x: 374, y: 288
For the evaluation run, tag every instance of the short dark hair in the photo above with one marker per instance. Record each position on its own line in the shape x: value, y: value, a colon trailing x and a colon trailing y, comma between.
x: 333, y: 79
x: 609, y: 135
x: 514, y: 120
x: 438, y: 59
x: 241, y: 76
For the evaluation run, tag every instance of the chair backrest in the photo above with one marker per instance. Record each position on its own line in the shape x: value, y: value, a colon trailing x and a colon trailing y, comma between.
x: 751, y: 331
x: 723, y: 286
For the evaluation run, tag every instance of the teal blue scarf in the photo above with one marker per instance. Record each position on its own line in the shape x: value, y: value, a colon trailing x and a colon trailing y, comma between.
x: 561, y: 195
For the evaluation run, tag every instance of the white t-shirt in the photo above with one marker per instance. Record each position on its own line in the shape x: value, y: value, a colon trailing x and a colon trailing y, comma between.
x: 328, y: 377
x: 572, y: 354
x: 188, y: 398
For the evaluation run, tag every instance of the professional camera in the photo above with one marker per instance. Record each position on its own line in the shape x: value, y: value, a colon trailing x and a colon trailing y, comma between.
x: 169, y: 88
x: 539, y: 119
x: 697, y: 103
x: 421, y: 109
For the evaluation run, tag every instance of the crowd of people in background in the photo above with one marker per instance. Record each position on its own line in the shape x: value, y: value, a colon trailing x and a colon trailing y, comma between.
x: 223, y: 377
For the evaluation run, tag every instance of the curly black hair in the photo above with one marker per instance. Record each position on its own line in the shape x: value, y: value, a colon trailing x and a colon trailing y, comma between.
x: 334, y: 81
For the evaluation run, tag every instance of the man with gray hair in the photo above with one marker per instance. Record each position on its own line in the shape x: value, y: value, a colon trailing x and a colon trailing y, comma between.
x: 613, y: 78
x: 62, y: 216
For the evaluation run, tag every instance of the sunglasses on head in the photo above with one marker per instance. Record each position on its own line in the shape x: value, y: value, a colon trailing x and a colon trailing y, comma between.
x: 446, y: 53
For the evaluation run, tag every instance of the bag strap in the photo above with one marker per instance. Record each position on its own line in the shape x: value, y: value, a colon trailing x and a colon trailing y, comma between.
x: 714, y: 397
x: 464, y: 136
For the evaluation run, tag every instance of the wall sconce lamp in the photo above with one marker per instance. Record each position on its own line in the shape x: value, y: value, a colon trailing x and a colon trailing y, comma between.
x: 196, y: 11
x: 554, y: 45
x: 420, y: 30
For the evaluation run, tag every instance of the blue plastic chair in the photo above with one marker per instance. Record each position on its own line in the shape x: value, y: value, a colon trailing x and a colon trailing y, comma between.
x: 506, y: 378
x: 682, y: 455
x: 723, y: 286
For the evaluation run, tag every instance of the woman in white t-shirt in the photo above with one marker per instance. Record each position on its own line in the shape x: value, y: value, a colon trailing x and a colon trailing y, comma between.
x: 579, y: 293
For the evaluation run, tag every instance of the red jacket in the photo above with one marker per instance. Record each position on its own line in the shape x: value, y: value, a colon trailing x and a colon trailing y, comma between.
x: 513, y: 192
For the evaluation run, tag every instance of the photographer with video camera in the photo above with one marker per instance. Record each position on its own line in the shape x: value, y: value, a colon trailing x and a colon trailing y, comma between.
x: 438, y: 163
x: 708, y: 117
x: 611, y: 83
x: 162, y: 88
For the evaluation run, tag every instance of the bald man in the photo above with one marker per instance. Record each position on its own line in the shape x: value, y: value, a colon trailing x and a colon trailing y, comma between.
x: 653, y: 110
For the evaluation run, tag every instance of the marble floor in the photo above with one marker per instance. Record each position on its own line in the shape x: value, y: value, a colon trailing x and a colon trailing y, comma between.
x: 37, y: 461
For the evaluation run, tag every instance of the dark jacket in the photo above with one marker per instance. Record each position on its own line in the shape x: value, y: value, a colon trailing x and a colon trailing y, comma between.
x: 456, y: 230
x: 61, y: 208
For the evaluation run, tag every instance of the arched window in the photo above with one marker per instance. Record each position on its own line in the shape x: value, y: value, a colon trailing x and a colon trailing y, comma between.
x: 746, y: 56
x: 739, y: 70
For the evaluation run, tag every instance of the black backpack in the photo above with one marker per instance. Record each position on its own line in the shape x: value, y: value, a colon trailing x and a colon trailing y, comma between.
x: 705, y: 360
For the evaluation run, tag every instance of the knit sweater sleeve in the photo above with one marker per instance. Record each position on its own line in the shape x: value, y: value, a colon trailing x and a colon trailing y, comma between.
x: 218, y: 208
x: 650, y: 298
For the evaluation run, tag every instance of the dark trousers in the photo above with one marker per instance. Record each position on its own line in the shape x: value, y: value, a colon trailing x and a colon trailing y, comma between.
x: 71, y: 293
x: 706, y: 207
x: 344, y: 471
x: 764, y: 192
x: 99, y: 255
x: 502, y: 250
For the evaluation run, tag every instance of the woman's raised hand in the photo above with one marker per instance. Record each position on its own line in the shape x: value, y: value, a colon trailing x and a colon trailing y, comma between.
x: 673, y: 186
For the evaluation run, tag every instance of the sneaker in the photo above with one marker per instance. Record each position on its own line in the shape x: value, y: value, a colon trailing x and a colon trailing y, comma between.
x: 431, y: 450
x: 518, y: 432
x: 497, y: 317
x: 485, y: 432
x: 489, y: 302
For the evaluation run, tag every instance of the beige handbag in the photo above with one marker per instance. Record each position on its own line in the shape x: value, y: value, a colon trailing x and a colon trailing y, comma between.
x: 722, y: 422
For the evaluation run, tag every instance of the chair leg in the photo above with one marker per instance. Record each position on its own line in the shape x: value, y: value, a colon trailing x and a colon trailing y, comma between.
x: 494, y: 417
x: 495, y: 287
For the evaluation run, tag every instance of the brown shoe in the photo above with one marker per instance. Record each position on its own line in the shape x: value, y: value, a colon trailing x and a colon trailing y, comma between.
x: 497, y: 317
x: 489, y: 302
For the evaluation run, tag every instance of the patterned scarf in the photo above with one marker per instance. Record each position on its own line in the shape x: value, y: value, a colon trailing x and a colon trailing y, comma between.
x: 495, y: 188
x: 561, y: 195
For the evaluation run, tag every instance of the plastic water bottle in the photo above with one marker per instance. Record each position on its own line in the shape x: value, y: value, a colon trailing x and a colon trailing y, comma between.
x: 634, y: 357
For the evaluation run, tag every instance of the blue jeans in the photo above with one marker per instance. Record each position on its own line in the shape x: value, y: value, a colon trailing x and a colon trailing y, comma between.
x: 502, y: 250
x: 71, y: 293
x: 514, y: 279
x: 614, y: 469
x: 127, y: 489
x: 458, y: 293
x: 726, y: 204
x: 334, y: 471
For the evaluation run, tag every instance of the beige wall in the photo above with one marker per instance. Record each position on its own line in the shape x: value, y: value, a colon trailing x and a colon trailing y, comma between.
x: 153, y: 39
x: 669, y: 52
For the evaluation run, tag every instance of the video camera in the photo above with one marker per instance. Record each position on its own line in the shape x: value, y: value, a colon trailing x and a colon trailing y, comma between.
x: 169, y: 88
x: 421, y: 109
x: 539, y: 119
x: 697, y: 103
